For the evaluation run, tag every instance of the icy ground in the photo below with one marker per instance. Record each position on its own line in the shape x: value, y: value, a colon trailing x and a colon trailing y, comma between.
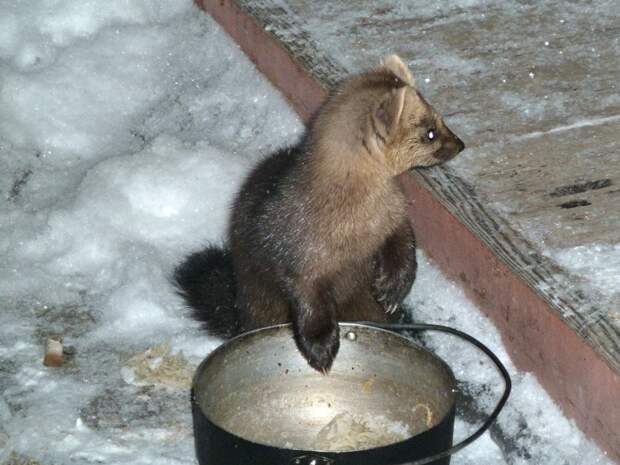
x: 125, y: 128
x: 599, y: 264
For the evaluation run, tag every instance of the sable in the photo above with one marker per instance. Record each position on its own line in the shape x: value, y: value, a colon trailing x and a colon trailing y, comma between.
x: 319, y: 231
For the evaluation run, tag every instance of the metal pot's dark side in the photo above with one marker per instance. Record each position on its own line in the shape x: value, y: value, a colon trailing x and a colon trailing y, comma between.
x: 215, y: 446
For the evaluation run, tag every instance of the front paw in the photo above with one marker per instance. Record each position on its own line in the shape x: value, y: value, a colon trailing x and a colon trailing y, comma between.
x: 320, y: 348
x: 388, y: 293
x: 394, y: 274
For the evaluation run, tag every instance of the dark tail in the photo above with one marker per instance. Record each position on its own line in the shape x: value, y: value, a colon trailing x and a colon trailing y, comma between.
x: 207, y: 283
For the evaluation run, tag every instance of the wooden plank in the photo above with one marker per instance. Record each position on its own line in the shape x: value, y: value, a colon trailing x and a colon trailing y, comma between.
x: 564, y: 185
x: 546, y: 320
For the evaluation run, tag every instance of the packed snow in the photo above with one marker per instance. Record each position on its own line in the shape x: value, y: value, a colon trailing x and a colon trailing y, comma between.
x: 599, y: 265
x: 125, y: 129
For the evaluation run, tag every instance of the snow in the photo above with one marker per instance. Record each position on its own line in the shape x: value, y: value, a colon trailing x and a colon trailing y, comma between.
x: 535, y: 430
x: 596, y: 263
x: 125, y: 129
x: 122, y: 145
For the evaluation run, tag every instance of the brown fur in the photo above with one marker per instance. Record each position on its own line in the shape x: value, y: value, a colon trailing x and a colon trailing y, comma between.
x: 305, y: 242
x: 319, y: 232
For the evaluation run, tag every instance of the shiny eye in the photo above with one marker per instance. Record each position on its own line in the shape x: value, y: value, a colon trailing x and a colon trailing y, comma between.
x: 431, y: 135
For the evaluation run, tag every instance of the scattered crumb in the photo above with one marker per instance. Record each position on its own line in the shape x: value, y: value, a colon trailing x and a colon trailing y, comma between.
x: 427, y: 412
x: 367, y: 386
x: 17, y: 459
x: 54, y: 352
x: 158, y: 365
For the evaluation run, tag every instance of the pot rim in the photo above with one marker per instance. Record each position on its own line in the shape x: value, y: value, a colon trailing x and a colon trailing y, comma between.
x: 448, y: 415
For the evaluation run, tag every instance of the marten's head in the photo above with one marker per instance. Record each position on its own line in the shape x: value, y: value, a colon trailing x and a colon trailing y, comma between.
x: 384, y: 111
x: 402, y: 127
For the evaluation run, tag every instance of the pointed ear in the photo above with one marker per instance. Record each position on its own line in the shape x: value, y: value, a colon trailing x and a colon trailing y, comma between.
x: 386, y: 116
x: 385, y: 120
x: 396, y: 65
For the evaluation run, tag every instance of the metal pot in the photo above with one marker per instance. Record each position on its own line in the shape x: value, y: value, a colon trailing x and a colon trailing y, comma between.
x: 386, y: 400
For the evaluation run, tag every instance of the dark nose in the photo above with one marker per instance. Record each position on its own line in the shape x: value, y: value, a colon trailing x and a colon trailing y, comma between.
x: 460, y: 145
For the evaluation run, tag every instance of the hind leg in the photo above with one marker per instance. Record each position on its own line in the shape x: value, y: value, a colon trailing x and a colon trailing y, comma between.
x: 259, y: 303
